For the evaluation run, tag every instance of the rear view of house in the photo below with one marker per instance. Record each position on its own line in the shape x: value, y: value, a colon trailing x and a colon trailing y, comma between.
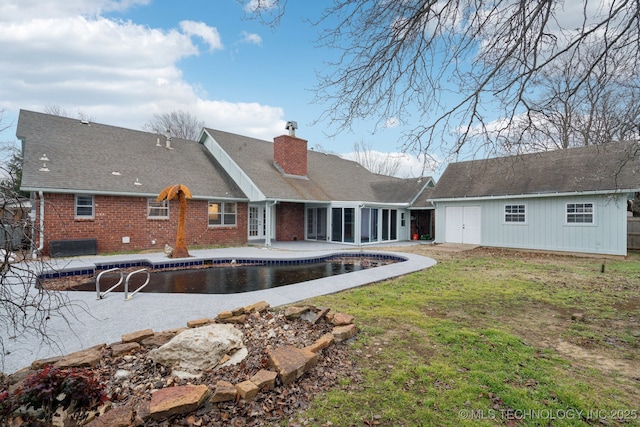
x: 94, y: 190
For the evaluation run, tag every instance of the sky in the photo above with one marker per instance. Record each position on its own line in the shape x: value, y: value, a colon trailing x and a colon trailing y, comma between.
x: 119, y: 62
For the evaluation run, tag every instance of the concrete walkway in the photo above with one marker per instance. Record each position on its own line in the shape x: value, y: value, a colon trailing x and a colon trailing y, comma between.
x: 95, y: 321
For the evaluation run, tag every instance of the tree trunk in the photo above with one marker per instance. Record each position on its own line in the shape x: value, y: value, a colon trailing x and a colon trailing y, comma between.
x: 180, y: 250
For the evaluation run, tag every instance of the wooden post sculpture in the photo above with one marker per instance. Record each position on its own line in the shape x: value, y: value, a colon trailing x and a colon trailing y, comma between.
x: 181, y: 193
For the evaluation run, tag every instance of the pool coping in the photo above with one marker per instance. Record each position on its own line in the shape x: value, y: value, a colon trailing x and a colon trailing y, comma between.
x: 88, y: 268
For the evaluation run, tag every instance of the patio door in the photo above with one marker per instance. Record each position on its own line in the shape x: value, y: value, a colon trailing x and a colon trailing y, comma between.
x: 257, y: 222
x: 316, y: 223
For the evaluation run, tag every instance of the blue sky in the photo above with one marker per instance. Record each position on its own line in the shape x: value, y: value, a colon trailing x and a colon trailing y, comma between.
x: 121, y: 61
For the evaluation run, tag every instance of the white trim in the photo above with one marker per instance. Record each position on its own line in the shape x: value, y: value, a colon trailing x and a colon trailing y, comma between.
x: 580, y: 224
x: 75, y: 207
x: 532, y: 195
x: 504, y: 214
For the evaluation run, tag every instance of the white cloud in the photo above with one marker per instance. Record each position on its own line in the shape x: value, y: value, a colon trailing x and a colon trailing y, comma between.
x: 392, y: 122
x: 209, y: 34
x: 251, y: 38
x: 118, y: 72
x: 25, y: 10
x: 255, y: 5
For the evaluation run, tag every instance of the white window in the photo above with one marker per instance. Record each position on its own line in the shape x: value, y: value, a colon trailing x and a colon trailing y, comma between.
x: 579, y: 213
x: 515, y: 213
x: 84, y: 206
x: 157, y: 209
x: 222, y: 213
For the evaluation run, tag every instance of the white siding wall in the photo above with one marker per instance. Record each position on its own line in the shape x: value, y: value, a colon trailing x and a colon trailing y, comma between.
x: 546, y: 228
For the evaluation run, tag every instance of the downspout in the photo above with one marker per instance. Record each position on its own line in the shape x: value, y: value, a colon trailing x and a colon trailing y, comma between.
x: 35, y: 252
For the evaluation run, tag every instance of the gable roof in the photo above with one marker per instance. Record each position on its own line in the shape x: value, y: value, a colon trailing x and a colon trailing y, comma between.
x: 596, y: 168
x: 329, y: 177
x: 82, y: 158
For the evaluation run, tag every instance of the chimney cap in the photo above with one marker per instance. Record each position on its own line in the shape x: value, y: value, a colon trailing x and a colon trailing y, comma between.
x: 291, y: 127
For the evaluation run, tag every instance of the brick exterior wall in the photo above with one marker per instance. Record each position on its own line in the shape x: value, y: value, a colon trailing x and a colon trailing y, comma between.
x: 290, y: 154
x: 116, y: 217
x: 289, y: 222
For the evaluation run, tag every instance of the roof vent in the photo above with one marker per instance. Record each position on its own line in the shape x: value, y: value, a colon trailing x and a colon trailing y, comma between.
x: 291, y: 127
x: 168, y: 143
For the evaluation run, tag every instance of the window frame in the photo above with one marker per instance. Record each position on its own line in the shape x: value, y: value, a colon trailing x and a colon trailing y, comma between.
x: 224, y: 214
x: 160, y: 206
x: 582, y: 213
x: 510, y: 217
x: 77, y: 206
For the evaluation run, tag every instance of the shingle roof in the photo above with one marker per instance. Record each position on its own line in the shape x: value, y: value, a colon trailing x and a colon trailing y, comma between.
x: 330, y: 178
x: 82, y: 158
x: 613, y: 166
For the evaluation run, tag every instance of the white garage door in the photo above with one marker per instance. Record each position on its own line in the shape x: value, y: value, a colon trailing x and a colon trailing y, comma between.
x: 462, y: 224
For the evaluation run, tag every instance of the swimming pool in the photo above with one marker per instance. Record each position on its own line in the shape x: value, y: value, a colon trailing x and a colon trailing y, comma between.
x: 227, y: 276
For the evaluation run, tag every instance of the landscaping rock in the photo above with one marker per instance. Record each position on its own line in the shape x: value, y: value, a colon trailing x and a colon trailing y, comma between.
x: 124, y: 348
x: 258, y: 307
x: 160, y: 338
x: 291, y: 362
x: 340, y: 319
x: 41, y: 363
x: 342, y: 333
x: 137, y: 336
x: 247, y: 390
x: 225, y: 391
x: 177, y: 400
x: 224, y: 315
x: 296, y: 311
x: 116, y: 417
x: 198, y: 322
x: 88, y: 358
x: 323, y: 342
x: 322, y: 313
x: 199, y: 349
x: 264, y: 379
x: 235, y: 319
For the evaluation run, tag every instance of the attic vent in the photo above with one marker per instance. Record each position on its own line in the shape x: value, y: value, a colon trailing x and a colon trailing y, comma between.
x: 84, y: 121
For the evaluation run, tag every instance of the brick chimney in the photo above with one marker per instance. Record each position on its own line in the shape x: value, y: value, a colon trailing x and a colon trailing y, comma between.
x: 290, y: 153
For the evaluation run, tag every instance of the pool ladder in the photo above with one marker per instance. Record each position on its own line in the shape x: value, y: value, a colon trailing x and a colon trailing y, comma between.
x: 127, y: 296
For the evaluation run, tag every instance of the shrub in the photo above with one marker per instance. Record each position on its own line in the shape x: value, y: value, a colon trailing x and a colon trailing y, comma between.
x: 50, y: 388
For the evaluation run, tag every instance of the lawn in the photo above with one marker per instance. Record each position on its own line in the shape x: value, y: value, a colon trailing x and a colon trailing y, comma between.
x: 492, y: 337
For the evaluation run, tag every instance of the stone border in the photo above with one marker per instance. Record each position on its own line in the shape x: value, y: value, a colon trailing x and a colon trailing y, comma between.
x: 287, y: 363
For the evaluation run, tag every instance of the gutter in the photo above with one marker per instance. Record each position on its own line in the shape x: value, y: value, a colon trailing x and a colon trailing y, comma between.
x: 124, y: 194
x: 531, y: 195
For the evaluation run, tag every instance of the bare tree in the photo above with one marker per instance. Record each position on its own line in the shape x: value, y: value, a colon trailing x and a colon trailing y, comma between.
x: 180, y: 124
x: 458, y: 66
x: 605, y: 109
x: 56, y: 110
x: 25, y: 307
x: 374, y: 161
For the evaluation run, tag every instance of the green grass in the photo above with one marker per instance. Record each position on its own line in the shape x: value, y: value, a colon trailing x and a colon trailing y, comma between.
x: 471, y: 340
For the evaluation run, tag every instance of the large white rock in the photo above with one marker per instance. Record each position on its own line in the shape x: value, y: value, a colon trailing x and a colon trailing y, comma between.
x: 198, y: 349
